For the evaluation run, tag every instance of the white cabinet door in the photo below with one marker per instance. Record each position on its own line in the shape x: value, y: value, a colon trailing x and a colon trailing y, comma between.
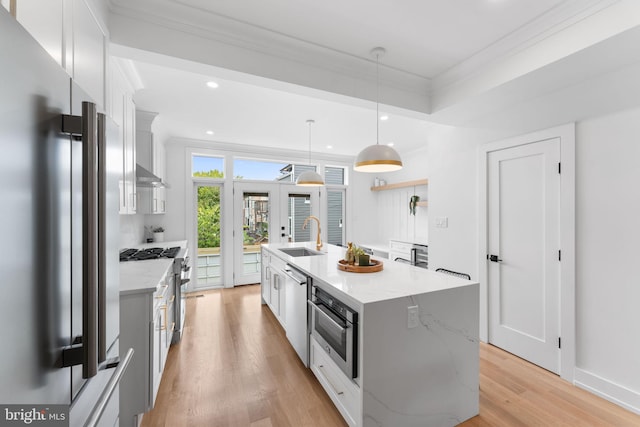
x: 43, y: 20
x: 88, y: 52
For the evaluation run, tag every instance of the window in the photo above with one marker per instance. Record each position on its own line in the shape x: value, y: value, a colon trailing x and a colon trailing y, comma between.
x: 334, y: 175
x: 258, y: 169
x: 207, y: 166
x: 291, y: 172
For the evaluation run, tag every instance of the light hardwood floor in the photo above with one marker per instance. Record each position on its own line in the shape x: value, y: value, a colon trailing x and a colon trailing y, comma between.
x: 235, y: 367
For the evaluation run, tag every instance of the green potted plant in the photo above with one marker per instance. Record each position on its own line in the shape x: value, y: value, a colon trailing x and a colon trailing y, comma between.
x: 362, y: 258
x: 158, y: 234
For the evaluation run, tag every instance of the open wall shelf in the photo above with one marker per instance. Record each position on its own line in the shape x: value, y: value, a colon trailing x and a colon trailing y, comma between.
x: 402, y: 185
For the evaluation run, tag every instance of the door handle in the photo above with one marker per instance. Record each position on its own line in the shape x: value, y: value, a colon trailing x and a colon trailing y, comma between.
x: 493, y: 258
x: 85, y: 351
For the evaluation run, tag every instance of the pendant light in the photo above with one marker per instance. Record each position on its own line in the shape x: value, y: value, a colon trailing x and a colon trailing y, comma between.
x: 377, y: 158
x: 310, y: 178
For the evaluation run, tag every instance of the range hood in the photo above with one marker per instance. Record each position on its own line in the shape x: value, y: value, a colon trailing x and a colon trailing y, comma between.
x: 145, y: 178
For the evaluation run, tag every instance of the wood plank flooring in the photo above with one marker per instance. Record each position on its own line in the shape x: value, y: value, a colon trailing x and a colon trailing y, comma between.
x: 235, y: 367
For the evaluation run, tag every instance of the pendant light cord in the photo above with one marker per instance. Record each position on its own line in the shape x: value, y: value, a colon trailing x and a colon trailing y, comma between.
x: 377, y: 98
x: 310, y: 123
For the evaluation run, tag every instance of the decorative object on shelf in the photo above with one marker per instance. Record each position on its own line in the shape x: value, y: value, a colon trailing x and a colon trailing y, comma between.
x: 158, y: 234
x: 310, y: 178
x: 374, y: 266
x: 413, y: 202
x: 377, y: 158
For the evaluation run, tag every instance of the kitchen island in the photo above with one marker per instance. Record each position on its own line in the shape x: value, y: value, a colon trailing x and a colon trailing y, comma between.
x: 418, y: 351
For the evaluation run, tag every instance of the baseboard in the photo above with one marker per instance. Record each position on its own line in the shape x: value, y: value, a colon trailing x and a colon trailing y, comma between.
x: 620, y: 395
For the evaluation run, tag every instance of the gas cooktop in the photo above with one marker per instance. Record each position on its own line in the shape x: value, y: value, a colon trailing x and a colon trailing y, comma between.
x: 149, y: 253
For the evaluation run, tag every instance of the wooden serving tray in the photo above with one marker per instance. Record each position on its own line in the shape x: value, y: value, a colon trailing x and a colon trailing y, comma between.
x: 354, y: 268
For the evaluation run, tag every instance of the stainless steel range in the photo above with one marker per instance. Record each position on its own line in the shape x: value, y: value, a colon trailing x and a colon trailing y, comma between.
x: 181, y: 276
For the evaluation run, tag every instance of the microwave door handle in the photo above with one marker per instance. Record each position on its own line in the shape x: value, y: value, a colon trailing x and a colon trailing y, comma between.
x: 336, y: 324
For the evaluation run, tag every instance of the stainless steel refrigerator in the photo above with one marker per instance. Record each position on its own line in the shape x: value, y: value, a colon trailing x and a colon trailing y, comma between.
x: 60, y: 162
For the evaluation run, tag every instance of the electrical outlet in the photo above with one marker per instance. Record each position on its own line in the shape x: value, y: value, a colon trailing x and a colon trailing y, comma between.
x: 413, y: 316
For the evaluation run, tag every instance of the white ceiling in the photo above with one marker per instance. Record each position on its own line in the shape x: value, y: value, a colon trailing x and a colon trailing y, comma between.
x: 423, y: 37
x: 243, y: 113
x: 282, y: 62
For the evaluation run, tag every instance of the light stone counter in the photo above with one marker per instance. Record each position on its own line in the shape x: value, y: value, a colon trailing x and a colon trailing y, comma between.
x: 396, y: 280
x: 407, y: 377
x: 144, y: 276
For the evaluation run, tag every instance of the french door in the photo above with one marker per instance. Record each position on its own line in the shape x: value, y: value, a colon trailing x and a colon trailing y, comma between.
x: 255, y: 222
x: 267, y: 212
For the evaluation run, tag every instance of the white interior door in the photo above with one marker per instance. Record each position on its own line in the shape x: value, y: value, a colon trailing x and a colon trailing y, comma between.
x: 255, y: 221
x: 524, y: 242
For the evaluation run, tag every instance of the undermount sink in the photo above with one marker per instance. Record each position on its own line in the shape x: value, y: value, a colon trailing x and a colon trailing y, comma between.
x: 296, y: 252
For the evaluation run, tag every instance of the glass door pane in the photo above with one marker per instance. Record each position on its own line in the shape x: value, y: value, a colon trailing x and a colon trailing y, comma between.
x: 253, y: 217
x: 209, y: 262
x: 298, y: 205
x: 335, y: 217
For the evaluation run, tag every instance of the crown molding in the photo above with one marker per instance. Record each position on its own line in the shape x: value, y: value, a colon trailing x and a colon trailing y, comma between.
x: 561, y: 17
x: 180, y: 16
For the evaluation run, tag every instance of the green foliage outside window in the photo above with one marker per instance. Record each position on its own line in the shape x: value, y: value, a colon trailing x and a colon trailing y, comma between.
x: 209, y: 212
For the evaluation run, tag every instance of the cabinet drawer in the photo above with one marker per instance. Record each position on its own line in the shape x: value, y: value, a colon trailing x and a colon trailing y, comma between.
x: 342, y: 391
x: 403, y: 248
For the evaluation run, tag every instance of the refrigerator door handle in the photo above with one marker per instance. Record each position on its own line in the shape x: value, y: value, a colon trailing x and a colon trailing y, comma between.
x: 85, y: 351
x: 102, y: 237
x: 114, y: 381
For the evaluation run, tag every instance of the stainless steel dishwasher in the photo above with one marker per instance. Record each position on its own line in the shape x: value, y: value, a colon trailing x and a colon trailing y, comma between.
x: 296, y: 311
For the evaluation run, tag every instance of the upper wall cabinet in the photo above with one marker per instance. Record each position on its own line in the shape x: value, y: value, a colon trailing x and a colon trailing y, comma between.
x: 43, y: 20
x: 70, y: 32
x: 123, y: 111
x: 89, y: 51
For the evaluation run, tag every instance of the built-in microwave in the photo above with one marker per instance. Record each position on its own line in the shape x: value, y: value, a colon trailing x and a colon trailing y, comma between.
x: 335, y: 326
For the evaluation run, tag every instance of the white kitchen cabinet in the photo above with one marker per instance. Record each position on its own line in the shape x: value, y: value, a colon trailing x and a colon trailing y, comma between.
x: 265, y: 281
x: 343, y: 392
x: 70, y: 31
x: 89, y: 51
x: 44, y: 21
x: 275, y: 283
x: 150, y: 155
x: 122, y: 110
x: 148, y: 316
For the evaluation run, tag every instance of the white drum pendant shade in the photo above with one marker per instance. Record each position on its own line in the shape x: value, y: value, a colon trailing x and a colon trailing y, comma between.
x: 310, y: 179
x: 378, y: 158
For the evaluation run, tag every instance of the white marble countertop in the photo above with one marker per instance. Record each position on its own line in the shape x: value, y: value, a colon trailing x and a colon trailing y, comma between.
x: 396, y: 280
x: 144, y: 276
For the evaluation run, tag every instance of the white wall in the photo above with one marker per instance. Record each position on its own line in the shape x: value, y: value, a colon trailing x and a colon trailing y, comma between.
x: 608, y: 211
x: 607, y: 236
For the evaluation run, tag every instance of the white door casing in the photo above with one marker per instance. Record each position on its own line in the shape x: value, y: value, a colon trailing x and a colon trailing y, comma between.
x: 516, y: 326
x: 524, y: 193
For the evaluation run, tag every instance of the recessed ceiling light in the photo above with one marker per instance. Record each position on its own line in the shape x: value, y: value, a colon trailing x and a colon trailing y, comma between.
x: 329, y: 147
x: 209, y: 132
x: 212, y: 84
x: 390, y: 144
x: 384, y: 117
